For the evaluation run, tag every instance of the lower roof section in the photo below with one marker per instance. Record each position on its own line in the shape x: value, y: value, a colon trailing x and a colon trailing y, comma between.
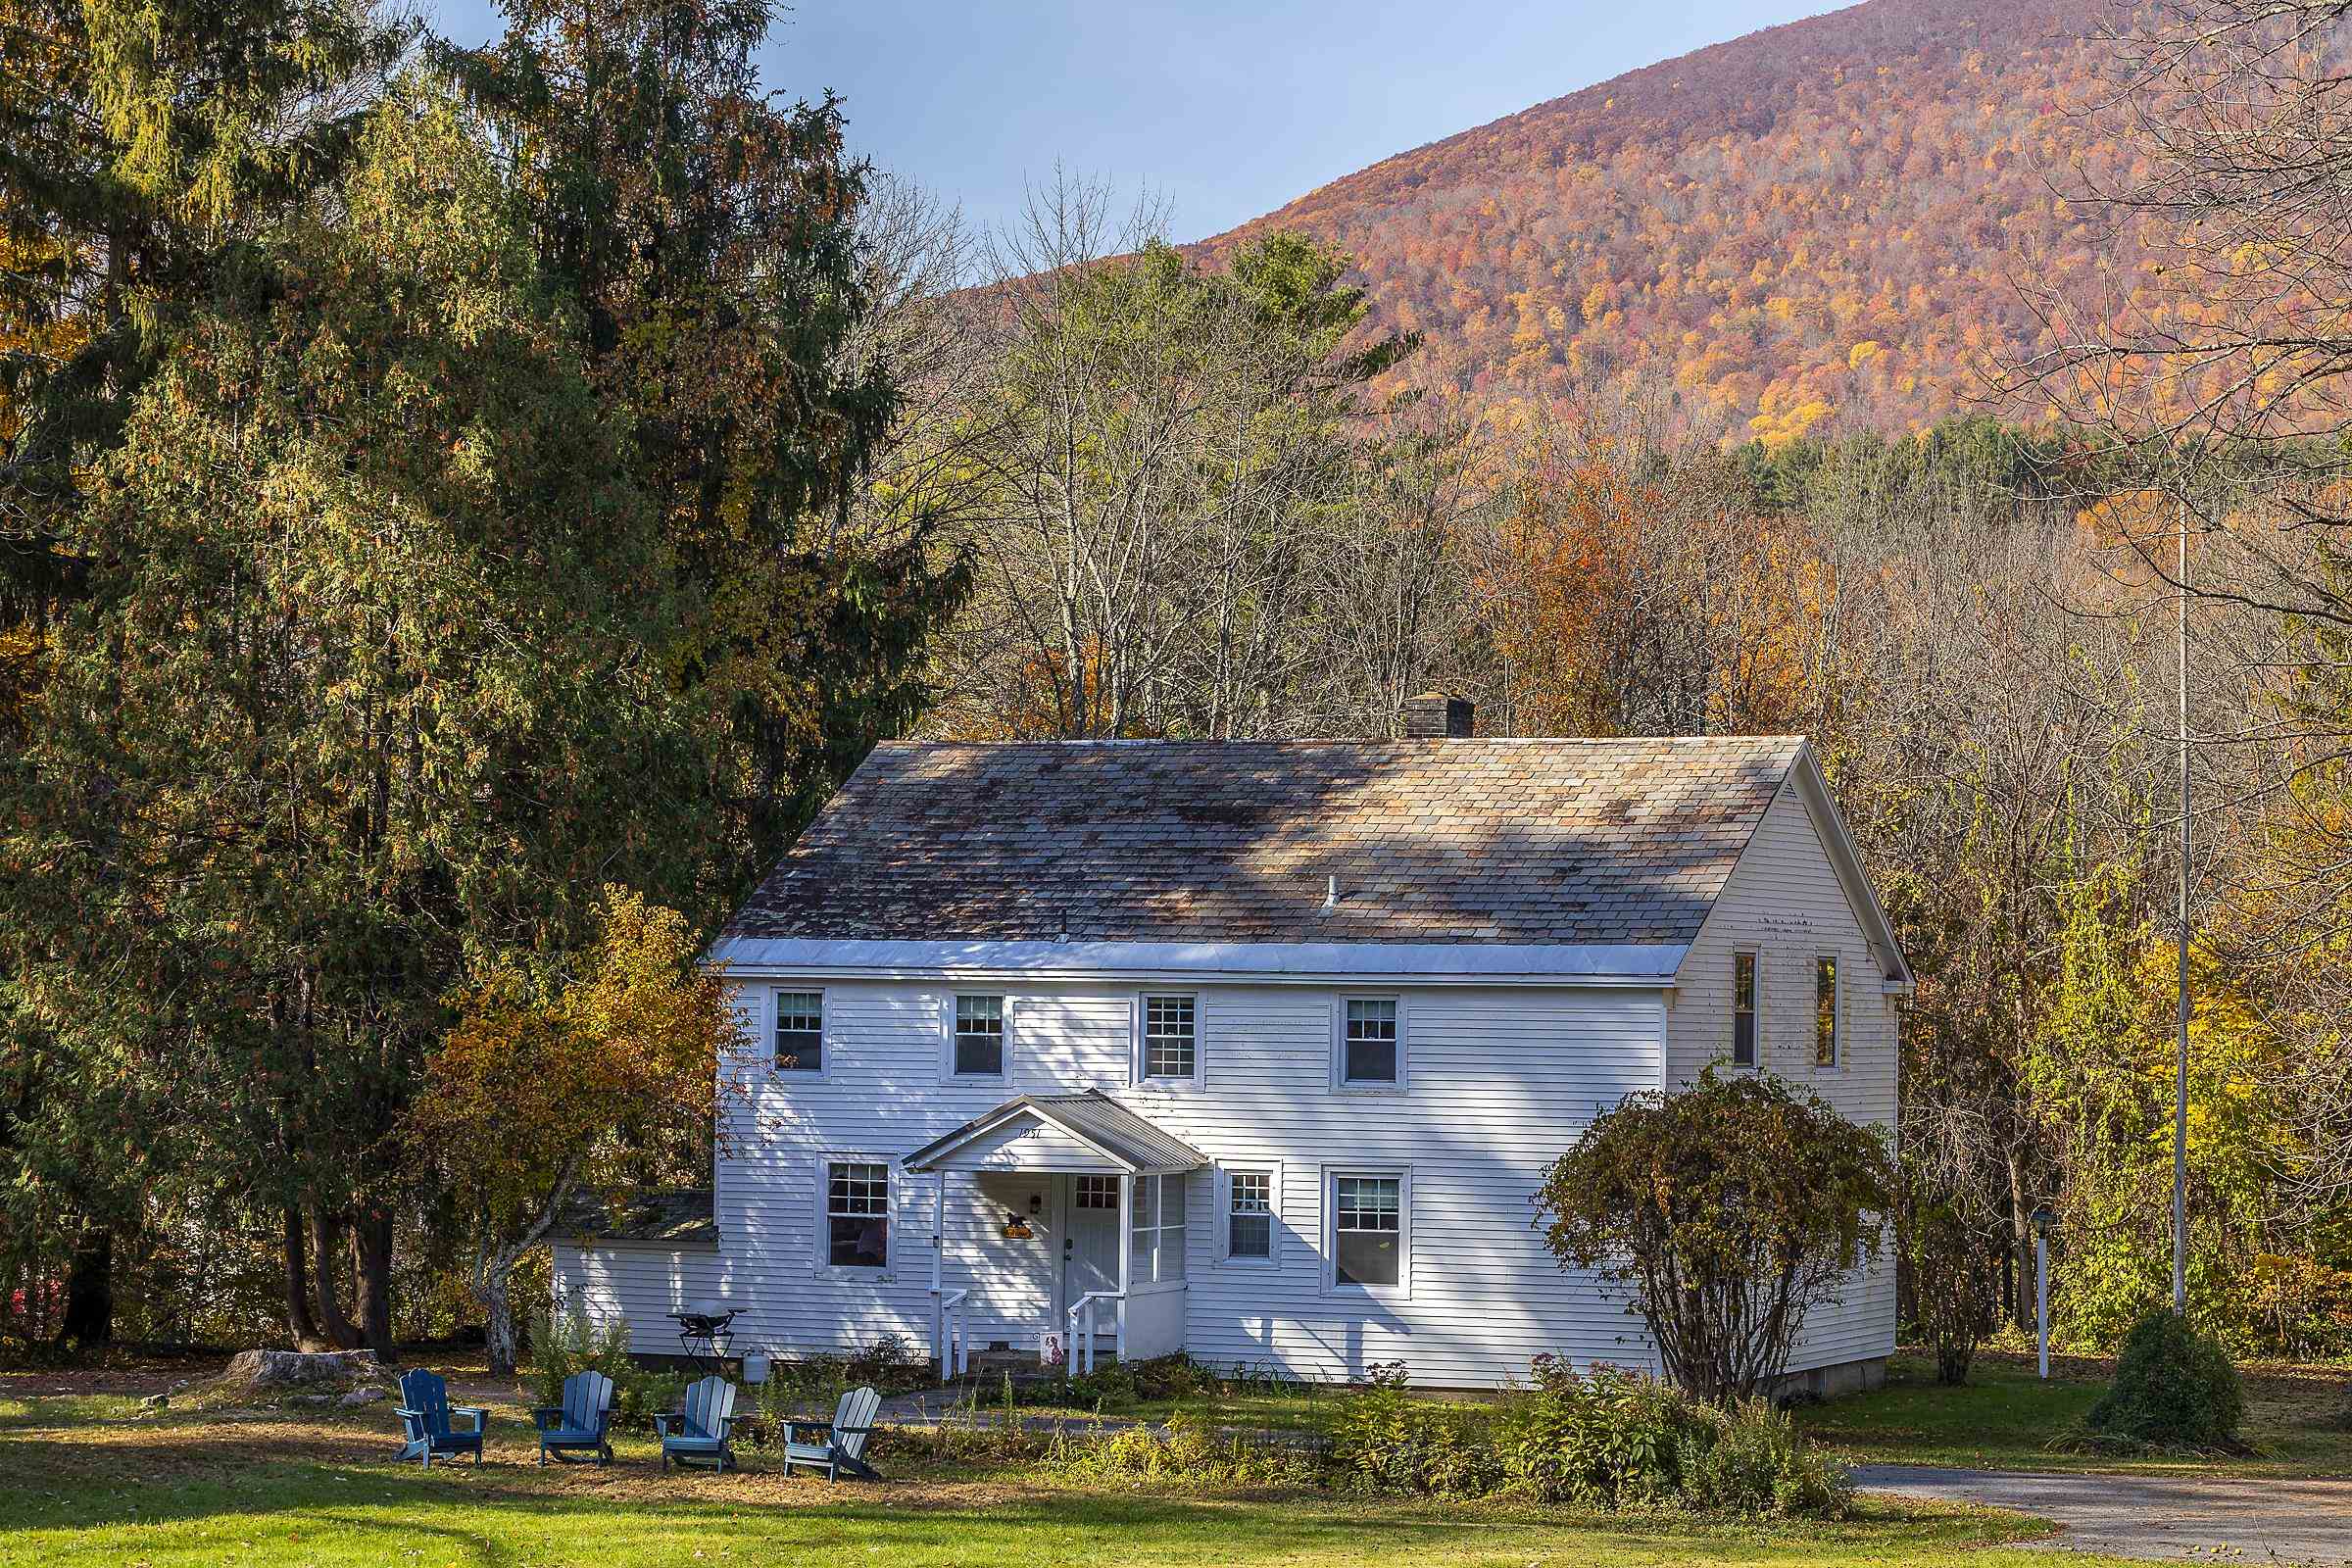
x: 1644, y: 964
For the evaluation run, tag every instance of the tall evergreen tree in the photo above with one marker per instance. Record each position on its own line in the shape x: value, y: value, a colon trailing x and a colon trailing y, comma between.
x: 369, y: 682
x: 708, y: 233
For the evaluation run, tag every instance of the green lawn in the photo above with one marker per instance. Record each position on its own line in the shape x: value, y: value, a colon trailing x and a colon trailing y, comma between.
x: 192, y: 1489
x: 2299, y: 1419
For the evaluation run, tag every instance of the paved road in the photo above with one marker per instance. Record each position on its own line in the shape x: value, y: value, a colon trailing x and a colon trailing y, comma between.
x: 2155, y: 1516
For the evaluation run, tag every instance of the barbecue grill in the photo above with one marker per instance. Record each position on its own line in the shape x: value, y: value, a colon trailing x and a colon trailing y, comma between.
x: 705, y: 1331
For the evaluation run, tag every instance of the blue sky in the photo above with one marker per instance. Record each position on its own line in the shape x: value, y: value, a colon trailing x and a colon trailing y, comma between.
x: 1226, y: 109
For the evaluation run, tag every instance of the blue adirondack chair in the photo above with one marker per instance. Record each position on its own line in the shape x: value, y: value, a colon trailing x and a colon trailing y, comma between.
x: 838, y: 1444
x: 578, y: 1422
x: 700, y: 1434
x: 424, y: 1418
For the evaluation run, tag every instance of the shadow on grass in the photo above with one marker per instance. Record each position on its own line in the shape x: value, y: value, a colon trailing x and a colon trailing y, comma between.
x: 131, y: 1498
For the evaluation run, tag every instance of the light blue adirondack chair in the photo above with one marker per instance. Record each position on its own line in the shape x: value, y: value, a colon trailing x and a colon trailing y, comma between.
x: 702, y: 1433
x: 424, y: 1418
x: 580, y: 1422
x: 838, y: 1444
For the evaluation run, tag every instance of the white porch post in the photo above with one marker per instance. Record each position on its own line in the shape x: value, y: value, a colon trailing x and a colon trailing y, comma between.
x: 1126, y: 1263
x: 939, y: 1299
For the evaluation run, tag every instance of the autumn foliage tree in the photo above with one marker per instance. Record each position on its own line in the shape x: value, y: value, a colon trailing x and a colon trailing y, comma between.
x: 586, y: 1081
x: 1727, y: 1210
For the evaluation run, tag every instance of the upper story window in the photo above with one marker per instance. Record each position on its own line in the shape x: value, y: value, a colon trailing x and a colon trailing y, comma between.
x: 1367, y: 1245
x: 856, y: 1214
x: 1744, y: 1010
x: 1171, y: 1047
x: 1157, y: 1248
x: 979, y: 1037
x: 1250, y: 1215
x: 1825, y: 1011
x: 1371, y: 1042
x: 800, y: 1031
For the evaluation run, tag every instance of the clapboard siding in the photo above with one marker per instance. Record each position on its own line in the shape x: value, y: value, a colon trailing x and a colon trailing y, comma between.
x: 1783, y: 902
x: 1499, y: 1082
x: 639, y: 1285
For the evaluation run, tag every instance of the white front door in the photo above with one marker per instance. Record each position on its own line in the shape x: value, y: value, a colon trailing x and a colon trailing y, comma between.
x: 1089, y: 1248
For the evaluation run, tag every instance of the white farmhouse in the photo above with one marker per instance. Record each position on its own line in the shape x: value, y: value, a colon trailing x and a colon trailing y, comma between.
x: 1254, y: 1051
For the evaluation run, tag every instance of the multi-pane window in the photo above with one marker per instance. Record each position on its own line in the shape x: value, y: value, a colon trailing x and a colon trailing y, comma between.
x: 856, y: 1215
x: 1367, y: 1230
x: 1171, y: 1037
x: 1825, y: 1011
x: 1097, y: 1192
x: 1368, y: 1054
x: 1249, y: 1214
x: 800, y: 1031
x: 1744, y: 1010
x: 1157, y: 1247
x: 980, y: 1036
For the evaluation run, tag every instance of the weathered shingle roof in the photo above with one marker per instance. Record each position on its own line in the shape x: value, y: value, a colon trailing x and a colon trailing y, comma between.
x: 679, y: 1216
x: 1504, y: 841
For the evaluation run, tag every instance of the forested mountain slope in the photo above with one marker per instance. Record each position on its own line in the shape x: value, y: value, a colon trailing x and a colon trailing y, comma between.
x: 1820, y: 224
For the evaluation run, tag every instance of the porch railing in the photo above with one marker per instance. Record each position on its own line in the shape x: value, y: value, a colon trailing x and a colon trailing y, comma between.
x: 1082, y: 1333
x: 953, y: 1349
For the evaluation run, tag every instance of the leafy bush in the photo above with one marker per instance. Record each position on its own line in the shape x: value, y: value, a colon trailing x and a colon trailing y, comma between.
x: 2173, y: 1386
x: 813, y: 1385
x: 1186, y: 1453
x: 564, y: 1343
x: 1384, y: 1442
x: 1953, y: 1279
x: 1726, y: 1211
x: 1756, y: 1462
x: 1612, y: 1439
x: 1615, y: 1438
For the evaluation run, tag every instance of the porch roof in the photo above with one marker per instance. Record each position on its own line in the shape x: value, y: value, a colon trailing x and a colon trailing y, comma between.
x: 1093, y: 1118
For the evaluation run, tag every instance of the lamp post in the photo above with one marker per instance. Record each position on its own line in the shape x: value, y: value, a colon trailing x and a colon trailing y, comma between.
x: 2041, y: 1283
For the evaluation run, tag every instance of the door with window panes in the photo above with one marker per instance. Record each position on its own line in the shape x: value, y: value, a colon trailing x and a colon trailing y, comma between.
x: 1089, y: 1247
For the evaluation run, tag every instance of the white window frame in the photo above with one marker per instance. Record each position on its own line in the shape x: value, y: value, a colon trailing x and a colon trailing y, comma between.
x: 1836, y: 962
x: 1222, y: 1206
x: 1340, y: 1083
x: 1402, y: 1176
x: 1135, y: 1062
x: 1730, y: 1056
x: 822, y: 1213
x: 776, y: 991
x: 946, y: 1040
x: 1137, y: 1285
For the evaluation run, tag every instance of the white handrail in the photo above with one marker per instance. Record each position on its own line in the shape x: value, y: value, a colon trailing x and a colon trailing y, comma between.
x: 1083, y: 1344
x: 954, y: 1351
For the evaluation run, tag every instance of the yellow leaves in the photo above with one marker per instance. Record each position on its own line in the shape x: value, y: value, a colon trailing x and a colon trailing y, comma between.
x: 581, y: 1072
x: 1861, y: 354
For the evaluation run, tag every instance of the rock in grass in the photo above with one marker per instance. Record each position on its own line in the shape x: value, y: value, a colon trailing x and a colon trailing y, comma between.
x: 268, y: 1371
x: 366, y: 1394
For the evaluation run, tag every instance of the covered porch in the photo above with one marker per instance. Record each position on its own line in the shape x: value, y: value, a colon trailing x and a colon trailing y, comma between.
x: 1096, y: 1254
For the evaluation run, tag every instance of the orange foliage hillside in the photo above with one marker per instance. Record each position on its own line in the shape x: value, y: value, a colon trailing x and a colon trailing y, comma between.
x: 1819, y: 225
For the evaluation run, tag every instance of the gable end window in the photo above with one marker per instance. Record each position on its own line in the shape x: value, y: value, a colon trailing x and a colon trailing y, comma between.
x: 1371, y: 1042
x: 1171, y: 1047
x: 1744, y: 1010
x: 856, y: 1214
x: 979, y: 1037
x: 800, y: 1031
x: 1825, y: 1011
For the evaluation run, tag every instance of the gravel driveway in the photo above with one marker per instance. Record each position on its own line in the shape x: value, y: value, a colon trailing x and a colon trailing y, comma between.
x: 2154, y: 1516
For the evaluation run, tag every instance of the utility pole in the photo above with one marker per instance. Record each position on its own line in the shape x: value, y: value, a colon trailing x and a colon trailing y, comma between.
x: 2181, y: 1063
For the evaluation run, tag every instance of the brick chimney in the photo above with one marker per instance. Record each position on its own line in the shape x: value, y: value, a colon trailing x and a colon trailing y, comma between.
x: 1438, y: 715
